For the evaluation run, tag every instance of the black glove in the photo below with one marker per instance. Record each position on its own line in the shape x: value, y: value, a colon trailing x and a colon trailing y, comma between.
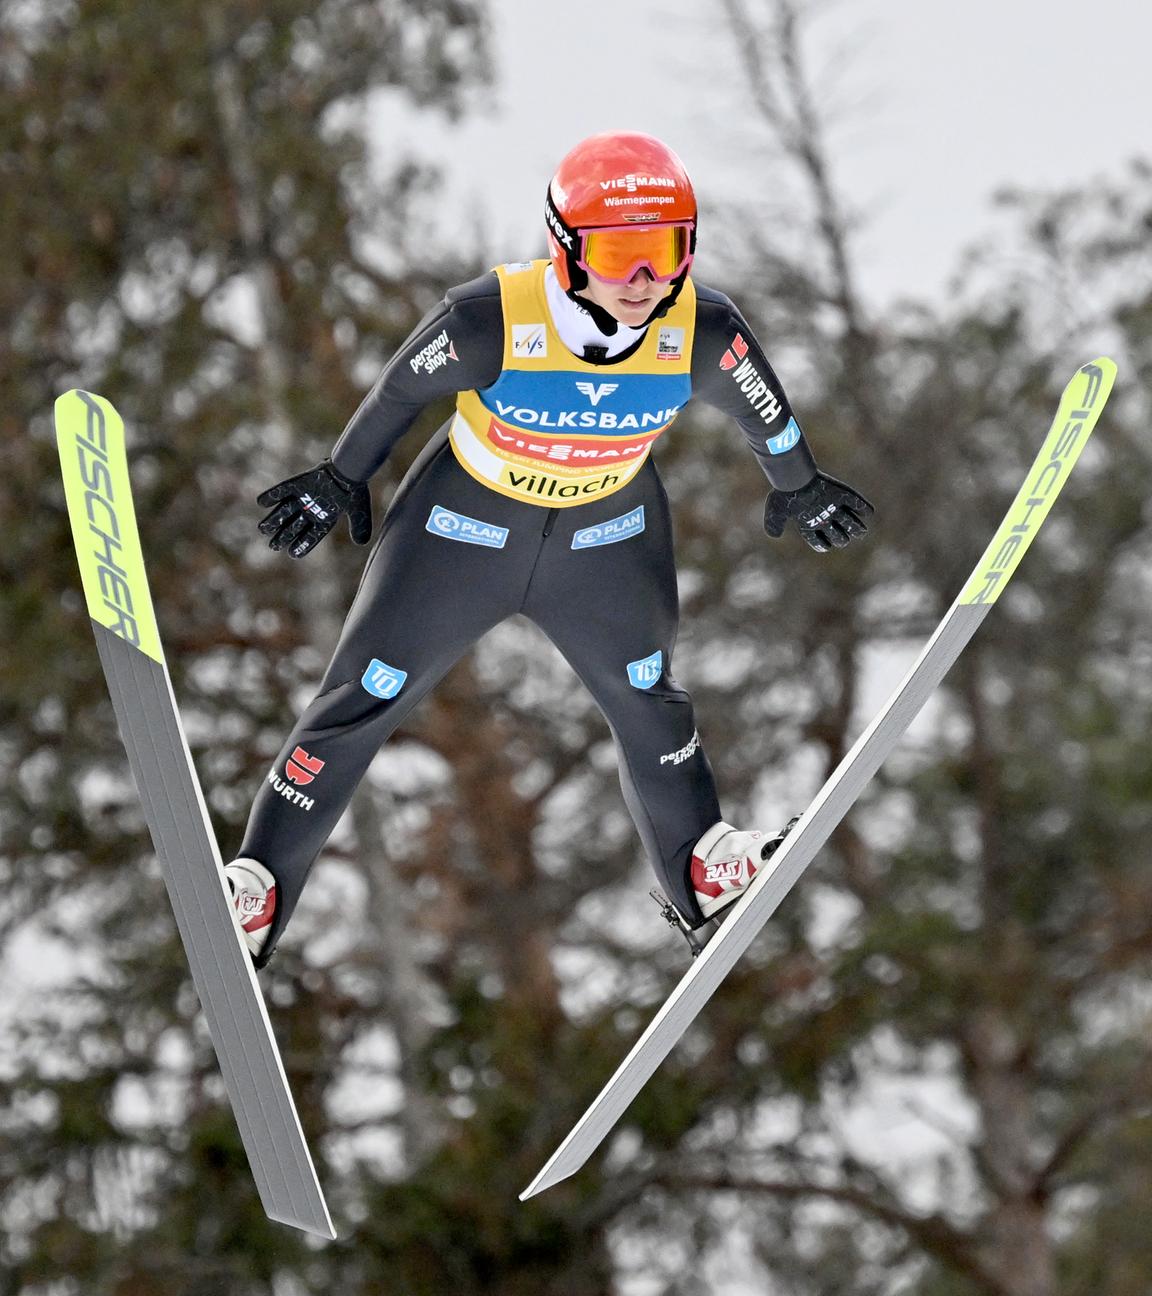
x: 828, y: 513
x: 308, y: 506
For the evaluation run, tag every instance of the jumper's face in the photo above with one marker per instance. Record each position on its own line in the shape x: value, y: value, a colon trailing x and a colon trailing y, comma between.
x: 630, y: 303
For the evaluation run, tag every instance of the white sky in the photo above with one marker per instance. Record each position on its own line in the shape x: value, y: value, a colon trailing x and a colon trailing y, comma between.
x: 951, y: 102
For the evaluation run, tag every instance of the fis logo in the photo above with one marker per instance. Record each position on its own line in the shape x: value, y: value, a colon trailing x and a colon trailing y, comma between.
x: 455, y: 526
x: 302, y: 768
x: 596, y: 391
x: 383, y: 681
x: 785, y: 440
x: 644, y: 673
x: 529, y: 340
x: 619, y: 528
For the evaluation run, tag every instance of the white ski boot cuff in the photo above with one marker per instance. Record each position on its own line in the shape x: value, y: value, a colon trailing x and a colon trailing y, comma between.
x: 254, y: 895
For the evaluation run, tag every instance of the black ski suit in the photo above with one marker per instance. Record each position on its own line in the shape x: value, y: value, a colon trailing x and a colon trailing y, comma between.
x: 455, y: 557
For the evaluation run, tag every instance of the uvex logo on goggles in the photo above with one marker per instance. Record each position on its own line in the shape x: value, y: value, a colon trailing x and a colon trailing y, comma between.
x: 616, y: 254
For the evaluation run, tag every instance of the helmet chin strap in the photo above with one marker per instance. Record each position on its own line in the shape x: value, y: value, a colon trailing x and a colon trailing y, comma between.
x: 607, y: 323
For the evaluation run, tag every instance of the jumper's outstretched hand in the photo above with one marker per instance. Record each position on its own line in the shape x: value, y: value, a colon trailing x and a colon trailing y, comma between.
x: 307, y: 507
x: 828, y: 513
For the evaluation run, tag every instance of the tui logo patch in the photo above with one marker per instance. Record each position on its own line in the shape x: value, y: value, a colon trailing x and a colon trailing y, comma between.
x: 644, y: 673
x: 383, y: 681
x: 784, y: 440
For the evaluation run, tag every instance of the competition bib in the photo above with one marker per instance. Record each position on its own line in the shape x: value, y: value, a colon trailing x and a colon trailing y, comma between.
x: 555, y: 430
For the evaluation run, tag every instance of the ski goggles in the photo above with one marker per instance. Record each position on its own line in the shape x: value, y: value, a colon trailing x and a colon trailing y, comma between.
x: 617, y: 253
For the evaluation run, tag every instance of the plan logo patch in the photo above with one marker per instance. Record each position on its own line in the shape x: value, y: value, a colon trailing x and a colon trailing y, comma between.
x: 644, y: 673
x: 669, y: 343
x: 620, y: 528
x: 455, y: 526
x: 516, y: 267
x: 785, y: 440
x: 529, y: 341
x: 383, y: 681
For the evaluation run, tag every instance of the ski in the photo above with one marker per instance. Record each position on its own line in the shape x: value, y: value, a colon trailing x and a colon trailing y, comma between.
x: 90, y: 436
x: 1080, y: 407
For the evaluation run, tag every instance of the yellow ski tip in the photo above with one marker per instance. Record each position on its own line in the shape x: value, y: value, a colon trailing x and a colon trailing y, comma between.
x: 1081, y: 405
x: 90, y: 437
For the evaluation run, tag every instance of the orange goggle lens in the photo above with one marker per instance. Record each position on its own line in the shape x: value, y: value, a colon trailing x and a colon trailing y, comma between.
x: 617, y: 254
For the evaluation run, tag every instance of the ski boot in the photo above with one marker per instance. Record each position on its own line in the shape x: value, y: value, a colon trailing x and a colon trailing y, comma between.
x: 724, y: 862
x: 254, y: 895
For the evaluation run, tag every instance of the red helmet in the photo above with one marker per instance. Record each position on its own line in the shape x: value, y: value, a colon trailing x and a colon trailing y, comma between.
x: 630, y: 184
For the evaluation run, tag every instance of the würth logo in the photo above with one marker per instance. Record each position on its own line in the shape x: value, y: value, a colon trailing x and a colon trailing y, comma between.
x: 736, y: 352
x: 302, y: 768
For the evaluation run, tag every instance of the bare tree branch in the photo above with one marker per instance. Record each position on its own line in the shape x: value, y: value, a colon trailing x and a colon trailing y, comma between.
x: 935, y: 1234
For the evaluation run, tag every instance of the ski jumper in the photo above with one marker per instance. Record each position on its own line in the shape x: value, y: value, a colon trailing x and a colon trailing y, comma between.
x: 539, y: 497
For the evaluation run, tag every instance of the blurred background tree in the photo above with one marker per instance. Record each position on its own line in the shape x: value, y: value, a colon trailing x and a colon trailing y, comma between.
x: 931, y: 1073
